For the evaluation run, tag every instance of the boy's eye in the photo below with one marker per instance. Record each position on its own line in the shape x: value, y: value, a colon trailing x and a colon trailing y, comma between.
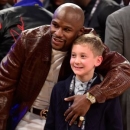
x: 72, y: 55
x: 83, y: 56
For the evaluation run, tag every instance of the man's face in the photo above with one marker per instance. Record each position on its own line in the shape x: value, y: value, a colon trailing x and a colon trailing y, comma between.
x: 64, y: 30
x: 3, y: 2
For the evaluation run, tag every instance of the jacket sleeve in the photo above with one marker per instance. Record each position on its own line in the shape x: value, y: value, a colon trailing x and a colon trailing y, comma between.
x: 116, y: 71
x: 10, y: 69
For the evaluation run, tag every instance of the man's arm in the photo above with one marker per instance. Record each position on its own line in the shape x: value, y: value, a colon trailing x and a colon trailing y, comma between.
x: 116, y: 71
x: 10, y: 69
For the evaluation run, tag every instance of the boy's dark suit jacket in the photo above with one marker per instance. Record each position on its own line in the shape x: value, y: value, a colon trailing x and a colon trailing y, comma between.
x: 104, y: 116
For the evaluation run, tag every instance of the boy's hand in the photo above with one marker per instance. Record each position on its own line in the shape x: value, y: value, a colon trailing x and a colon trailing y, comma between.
x: 79, y: 108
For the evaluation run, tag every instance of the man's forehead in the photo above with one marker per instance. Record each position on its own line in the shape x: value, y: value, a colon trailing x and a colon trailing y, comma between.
x: 67, y: 15
x: 63, y: 23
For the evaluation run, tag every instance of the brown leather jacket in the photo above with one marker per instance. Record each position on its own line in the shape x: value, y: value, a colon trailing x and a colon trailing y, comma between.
x: 26, y: 66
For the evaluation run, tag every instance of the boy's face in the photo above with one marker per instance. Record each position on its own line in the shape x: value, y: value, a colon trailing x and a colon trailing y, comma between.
x: 83, y: 61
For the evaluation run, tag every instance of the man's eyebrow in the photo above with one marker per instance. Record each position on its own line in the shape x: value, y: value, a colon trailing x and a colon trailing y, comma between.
x: 70, y: 27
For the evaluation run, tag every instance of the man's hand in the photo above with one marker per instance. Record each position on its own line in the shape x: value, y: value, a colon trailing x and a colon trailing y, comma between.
x: 79, y: 107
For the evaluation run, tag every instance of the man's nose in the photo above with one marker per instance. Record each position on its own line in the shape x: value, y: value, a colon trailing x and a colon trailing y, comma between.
x: 59, y: 32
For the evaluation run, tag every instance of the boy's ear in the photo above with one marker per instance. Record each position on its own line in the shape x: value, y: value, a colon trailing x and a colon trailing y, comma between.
x: 81, y: 32
x: 98, y: 61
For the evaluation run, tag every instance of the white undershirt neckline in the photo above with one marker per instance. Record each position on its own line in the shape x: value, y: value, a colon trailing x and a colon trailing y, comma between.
x: 43, y: 99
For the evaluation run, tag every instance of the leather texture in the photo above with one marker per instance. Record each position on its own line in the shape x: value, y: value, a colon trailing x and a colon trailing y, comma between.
x: 24, y: 70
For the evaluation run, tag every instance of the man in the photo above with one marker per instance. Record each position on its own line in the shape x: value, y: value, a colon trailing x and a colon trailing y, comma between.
x: 40, y: 58
x: 96, y: 12
x: 4, y: 4
x: 24, y: 15
x: 117, y: 39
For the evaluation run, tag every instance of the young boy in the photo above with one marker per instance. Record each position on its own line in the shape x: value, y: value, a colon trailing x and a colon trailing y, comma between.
x: 86, y: 55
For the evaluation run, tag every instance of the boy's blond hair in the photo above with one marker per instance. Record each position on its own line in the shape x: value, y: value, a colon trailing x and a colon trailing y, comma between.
x: 93, y: 41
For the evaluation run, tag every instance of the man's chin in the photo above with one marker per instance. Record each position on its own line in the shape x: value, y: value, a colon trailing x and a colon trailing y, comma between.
x: 56, y: 48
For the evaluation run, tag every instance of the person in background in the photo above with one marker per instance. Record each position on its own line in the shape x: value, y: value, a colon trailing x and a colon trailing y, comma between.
x: 4, y: 4
x: 11, y: 2
x: 118, y: 1
x: 117, y: 39
x: 126, y: 2
x: 24, y: 15
x: 86, y: 55
x: 39, y: 59
x: 96, y: 12
x: 51, y: 5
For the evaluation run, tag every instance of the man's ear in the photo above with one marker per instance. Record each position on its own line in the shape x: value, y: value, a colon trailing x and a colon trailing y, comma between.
x: 81, y: 31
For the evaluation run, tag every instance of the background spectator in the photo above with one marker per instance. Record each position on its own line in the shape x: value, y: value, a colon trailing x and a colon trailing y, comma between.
x: 117, y: 38
x: 12, y: 2
x: 96, y: 12
x: 4, y: 4
x: 118, y: 1
x: 51, y: 5
x: 24, y: 15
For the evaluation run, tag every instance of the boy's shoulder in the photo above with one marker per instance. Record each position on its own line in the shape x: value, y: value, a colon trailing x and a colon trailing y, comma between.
x: 63, y: 83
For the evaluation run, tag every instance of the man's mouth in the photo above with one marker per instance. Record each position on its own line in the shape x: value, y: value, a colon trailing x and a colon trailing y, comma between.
x: 57, y: 41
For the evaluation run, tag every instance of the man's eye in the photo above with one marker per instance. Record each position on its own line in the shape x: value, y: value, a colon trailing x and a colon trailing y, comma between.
x: 55, y: 25
x: 67, y: 29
